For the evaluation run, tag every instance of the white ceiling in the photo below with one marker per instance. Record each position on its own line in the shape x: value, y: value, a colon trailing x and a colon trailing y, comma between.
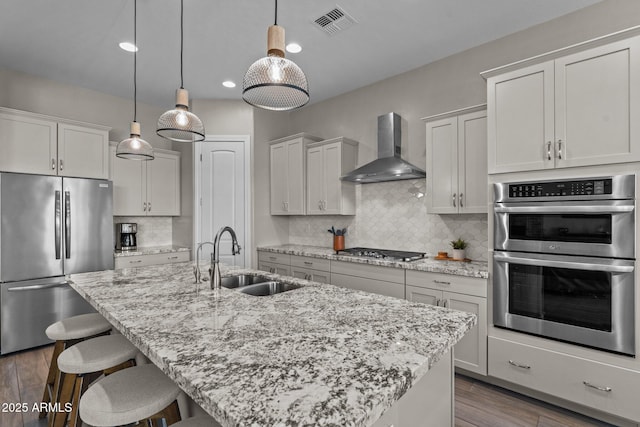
x: 76, y: 41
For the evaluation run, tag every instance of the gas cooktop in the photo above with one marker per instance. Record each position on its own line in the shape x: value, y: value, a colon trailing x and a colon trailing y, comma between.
x: 384, y: 254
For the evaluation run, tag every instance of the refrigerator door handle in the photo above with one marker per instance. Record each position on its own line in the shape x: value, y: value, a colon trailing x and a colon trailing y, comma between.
x: 67, y: 224
x: 36, y: 287
x: 58, y: 224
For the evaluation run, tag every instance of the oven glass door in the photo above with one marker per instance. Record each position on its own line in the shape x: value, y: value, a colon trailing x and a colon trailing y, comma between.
x: 587, y: 301
x: 594, y: 228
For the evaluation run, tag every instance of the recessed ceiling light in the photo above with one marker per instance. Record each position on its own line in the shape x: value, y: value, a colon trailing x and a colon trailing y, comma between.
x: 129, y: 47
x: 294, y: 48
x: 228, y: 83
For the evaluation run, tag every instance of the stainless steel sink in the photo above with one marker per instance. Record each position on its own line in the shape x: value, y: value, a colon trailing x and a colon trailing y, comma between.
x: 267, y: 288
x: 242, y: 280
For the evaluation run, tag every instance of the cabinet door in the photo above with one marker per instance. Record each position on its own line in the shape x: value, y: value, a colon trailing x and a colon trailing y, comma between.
x: 332, y: 160
x: 295, y: 201
x: 472, y: 164
x: 442, y: 173
x: 278, y: 176
x: 520, y: 132
x: 28, y: 145
x: 163, y: 185
x: 596, y: 95
x: 471, y: 351
x: 83, y: 152
x: 315, y: 180
x: 129, y: 185
x: 424, y: 295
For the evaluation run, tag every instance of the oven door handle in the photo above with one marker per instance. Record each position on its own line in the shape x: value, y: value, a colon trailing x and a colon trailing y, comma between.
x: 565, y: 264
x: 564, y: 209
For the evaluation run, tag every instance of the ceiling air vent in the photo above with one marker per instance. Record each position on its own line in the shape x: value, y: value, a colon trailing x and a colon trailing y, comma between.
x: 335, y: 21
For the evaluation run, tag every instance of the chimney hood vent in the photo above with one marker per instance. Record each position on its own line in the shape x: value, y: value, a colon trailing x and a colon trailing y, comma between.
x: 389, y: 166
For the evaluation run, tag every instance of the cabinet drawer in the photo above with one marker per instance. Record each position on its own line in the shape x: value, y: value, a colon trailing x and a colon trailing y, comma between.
x: 153, y: 259
x: 388, y: 274
x: 567, y: 377
x: 448, y: 282
x: 310, y: 262
x: 311, y: 274
x: 270, y: 267
x: 273, y: 257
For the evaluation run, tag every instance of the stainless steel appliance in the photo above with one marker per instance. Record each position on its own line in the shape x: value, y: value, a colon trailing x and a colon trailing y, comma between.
x: 49, y: 227
x: 384, y: 254
x: 126, y: 236
x: 564, y: 260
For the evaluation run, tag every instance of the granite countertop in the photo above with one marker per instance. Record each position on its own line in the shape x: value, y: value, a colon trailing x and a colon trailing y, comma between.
x: 318, y: 355
x: 151, y: 250
x: 468, y: 269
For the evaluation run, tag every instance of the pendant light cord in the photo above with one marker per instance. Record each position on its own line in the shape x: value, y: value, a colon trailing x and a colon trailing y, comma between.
x: 276, y: 18
x: 135, y: 55
x: 181, y: 41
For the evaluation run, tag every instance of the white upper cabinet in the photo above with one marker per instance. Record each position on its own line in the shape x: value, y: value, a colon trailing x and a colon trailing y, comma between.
x: 287, y: 161
x: 574, y: 110
x: 33, y: 143
x: 456, y: 161
x: 146, y: 188
x: 327, y: 161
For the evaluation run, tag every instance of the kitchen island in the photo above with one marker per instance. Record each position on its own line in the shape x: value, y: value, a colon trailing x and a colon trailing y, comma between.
x: 316, y: 355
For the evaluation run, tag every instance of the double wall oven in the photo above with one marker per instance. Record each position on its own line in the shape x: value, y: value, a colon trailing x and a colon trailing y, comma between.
x: 564, y: 260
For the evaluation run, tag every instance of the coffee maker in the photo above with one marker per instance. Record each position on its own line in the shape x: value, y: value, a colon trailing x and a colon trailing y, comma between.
x: 126, y: 236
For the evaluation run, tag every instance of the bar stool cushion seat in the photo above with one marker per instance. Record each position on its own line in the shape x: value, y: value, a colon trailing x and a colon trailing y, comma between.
x: 96, y: 354
x: 197, y: 422
x: 76, y: 327
x: 127, y: 396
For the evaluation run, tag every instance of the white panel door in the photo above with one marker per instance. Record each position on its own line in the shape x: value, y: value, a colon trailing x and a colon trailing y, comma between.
x: 442, y: 173
x: 472, y: 162
x: 315, y: 180
x: 332, y: 185
x: 295, y: 177
x: 83, y: 152
x: 129, y: 186
x: 28, y: 145
x: 163, y: 185
x: 471, y: 351
x: 223, y: 198
x: 278, y: 175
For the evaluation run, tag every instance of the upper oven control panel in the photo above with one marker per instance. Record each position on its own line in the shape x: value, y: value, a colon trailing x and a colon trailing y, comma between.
x: 616, y: 187
x: 561, y: 188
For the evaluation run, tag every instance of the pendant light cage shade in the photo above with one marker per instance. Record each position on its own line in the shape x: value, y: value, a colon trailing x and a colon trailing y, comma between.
x: 275, y: 83
x: 134, y: 147
x: 180, y: 124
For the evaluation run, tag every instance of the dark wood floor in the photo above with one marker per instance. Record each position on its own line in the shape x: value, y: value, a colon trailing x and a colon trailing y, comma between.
x: 22, y: 377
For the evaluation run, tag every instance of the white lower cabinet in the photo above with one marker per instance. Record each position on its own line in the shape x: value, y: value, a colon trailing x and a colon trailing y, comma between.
x: 369, y: 278
x: 314, y: 269
x: 151, y: 259
x: 274, y: 263
x: 458, y: 293
x: 593, y: 384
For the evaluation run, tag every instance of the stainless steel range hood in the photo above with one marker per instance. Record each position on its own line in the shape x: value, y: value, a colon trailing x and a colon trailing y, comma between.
x: 389, y: 166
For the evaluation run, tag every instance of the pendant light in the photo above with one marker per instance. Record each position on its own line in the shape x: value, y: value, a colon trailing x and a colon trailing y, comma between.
x: 180, y: 124
x: 134, y: 147
x: 274, y: 82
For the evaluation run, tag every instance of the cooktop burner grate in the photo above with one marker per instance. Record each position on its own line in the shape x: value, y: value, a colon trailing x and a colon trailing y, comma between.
x: 384, y: 254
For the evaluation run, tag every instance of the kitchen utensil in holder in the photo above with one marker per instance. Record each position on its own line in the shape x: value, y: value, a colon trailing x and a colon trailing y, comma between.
x: 338, y: 243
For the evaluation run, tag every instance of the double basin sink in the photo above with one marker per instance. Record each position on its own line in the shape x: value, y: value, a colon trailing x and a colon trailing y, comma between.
x: 256, y: 285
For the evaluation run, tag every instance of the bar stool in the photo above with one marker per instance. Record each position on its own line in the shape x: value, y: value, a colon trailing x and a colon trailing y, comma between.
x: 84, y: 362
x: 197, y: 422
x: 135, y: 394
x: 66, y: 333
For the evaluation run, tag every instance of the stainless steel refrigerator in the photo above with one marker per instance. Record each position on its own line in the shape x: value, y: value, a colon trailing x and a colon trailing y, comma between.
x: 50, y: 227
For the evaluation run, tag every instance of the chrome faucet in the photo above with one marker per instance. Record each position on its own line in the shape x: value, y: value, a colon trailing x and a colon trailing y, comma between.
x: 215, y: 256
x: 196, y: 269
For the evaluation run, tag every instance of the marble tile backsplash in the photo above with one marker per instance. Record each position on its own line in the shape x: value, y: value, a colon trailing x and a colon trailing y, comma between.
x: 152, y: 230
x: 391, y: 215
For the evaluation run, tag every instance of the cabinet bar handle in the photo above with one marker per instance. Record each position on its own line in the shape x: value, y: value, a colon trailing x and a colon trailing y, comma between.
x: 454, y: 200
x: 438, y: 302
x: 172, y: 257
x: 588, y: 384
x: 308, y: 263
x: 560, y: 149
x: 61, y: 164
x: 440, y: 282
x: 519, y: 365
x: 445, y: 303
x: 460, y: 200
x: 53, y: 164
x: 135, y: 262
x: 548, y: 150
x: 144, y: 206
x: 272, y: 258
x: 149, y: 207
